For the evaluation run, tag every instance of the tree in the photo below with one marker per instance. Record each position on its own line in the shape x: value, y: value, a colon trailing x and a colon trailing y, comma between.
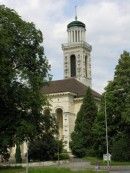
x: 44, y: 148
x: 45, y: 145
x: 122, y: 80
x: 121, y: 149
x: 117, y: 108
x: 18, y: 154
x: 99, y: 132
x: 23, y: 72
x: 82, y: 137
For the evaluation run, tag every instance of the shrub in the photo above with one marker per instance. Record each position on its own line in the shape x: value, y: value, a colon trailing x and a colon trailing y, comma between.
x: 121, y: 150
x: 62, y: 156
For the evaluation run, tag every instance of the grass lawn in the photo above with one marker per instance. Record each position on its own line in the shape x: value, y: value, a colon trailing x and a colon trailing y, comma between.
x: 44, y: 170
x: 12, y: 170
x: 93, y: 161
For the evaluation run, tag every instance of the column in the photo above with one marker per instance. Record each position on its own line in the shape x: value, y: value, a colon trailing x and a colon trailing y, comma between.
x: 71, y: 36
x: 80, y: 35
x: 75, y: 35
x: 68, y: 36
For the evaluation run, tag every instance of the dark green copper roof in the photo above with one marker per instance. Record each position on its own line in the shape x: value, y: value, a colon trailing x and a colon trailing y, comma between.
x: 76, y: 23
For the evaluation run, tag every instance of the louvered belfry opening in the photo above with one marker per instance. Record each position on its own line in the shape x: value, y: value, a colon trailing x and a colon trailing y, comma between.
x: 86, y: 65
x: 73, y: 65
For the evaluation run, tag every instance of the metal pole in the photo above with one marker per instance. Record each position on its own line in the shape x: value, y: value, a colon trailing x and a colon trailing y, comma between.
x: 106, y: 133
x: 27, y: 159
x: 58, y: 153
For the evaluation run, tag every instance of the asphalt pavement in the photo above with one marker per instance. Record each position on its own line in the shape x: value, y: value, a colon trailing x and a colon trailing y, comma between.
x: 80, y: 164
x: 76, y: 164
x: 120, y: 171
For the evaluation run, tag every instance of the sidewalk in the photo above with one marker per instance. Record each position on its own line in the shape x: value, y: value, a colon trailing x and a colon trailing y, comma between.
x: 73, y: 164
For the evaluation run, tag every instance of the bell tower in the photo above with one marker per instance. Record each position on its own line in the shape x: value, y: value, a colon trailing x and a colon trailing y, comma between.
x: 77, y: 57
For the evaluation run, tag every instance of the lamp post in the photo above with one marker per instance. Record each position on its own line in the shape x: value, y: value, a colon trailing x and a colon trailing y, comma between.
x: 106, y: 125
x: 58, y: 149
x: 27, y: 158
x: 107, y: 149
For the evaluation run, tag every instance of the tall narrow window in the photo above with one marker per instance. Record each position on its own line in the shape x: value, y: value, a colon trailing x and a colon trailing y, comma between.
x: 59, y: 113
x: 73, y: 65
x: 86, y: 66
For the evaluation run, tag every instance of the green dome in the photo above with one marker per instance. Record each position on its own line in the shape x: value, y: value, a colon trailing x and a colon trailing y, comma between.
x: 76, y: 23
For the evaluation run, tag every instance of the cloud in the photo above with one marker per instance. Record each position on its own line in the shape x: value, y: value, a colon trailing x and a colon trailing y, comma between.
x: 107, y: 24
x: 108, y: 32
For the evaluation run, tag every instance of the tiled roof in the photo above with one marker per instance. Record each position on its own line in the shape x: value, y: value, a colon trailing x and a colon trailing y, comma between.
x: 67, y: 85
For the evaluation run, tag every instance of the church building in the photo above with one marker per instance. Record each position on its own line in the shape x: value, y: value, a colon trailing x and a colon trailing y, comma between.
x: 66, y: 96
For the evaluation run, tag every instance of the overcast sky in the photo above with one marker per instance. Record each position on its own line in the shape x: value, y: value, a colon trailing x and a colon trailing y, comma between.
x: 108, y: 31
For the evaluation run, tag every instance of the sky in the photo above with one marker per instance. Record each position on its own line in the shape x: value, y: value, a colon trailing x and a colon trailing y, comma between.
x: 107, y: 30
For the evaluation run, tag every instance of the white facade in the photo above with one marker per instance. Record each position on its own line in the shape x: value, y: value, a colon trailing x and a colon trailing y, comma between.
x: 65, y: 106
x: 63, y: 109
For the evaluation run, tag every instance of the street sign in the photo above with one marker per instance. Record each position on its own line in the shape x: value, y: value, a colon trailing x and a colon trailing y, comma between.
x: 106, y: 157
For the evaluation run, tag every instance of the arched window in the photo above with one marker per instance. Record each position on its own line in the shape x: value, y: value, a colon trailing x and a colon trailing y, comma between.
x: 59, y: 114
x: 73, y: 65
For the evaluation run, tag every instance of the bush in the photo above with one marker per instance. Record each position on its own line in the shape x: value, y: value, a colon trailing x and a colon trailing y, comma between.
x: 44, y: 148
x: 121, y: 150
x: 90, y: 152
x: 62, y: 156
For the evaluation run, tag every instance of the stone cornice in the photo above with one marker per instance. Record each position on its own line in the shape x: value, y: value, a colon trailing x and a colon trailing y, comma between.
x: 78, y: 99
x: 76, y: 45
x: 61, y: 94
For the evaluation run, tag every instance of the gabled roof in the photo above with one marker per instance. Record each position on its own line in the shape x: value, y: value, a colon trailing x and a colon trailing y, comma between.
x: 67, y: 85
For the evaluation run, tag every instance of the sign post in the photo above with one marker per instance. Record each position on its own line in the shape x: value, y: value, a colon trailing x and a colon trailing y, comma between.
x: 107, y: 158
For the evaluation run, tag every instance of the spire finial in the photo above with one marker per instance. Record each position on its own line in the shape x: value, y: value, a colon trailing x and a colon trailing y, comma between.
x: 75, y: 12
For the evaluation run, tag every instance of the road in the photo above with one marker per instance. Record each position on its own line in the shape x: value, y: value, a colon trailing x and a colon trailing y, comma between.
x: 80, y: 164
x: 77, y: 164
x: 120, y: 171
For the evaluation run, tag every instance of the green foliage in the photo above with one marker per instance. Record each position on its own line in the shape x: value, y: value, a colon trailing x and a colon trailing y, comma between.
x: 99, y: 132
x: 4, y: 153
x: 61, y: 156
x: 23, y: 72
x: 43, y: 149
x: 82, y: 137
x: 48, y: 170
x: 121, y: 150
x: 64, y: 156
x: 9, y: 169
x: 18, y: 154
x: 45, y: 145
x: 94, y: 160
x: 117, y: 97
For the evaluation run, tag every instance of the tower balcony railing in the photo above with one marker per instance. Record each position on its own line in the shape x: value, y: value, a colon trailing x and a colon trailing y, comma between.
x: 77, y: 44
